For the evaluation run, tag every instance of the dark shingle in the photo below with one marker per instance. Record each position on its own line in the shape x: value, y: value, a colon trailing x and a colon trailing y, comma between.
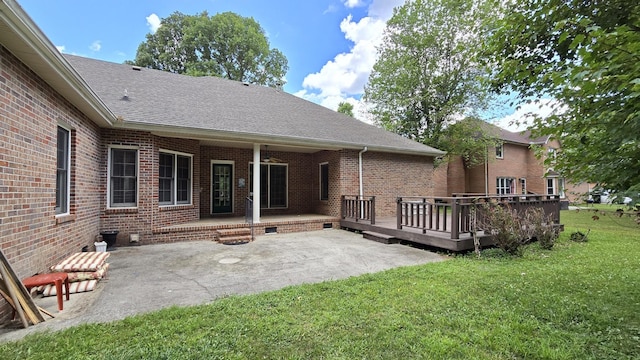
x: 210, y: 103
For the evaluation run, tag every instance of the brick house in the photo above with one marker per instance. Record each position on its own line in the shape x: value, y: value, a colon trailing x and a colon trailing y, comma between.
x: 88, y: 145
x: 510, y: 168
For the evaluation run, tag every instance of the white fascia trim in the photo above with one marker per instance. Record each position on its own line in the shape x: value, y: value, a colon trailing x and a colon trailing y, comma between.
x: 22, y: 26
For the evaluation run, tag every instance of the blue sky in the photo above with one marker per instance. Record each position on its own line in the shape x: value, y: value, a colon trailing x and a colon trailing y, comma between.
x: 330, y: 44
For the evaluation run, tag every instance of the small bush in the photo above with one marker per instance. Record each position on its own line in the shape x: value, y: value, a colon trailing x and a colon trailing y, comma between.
x: 579, y: 236
x: 512, y: 230
x: 540, y: 227
x: 503, y: 223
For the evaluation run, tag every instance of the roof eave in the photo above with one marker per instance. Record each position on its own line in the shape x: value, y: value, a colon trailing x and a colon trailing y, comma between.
x: 270, y: 139
x: 29, y: 44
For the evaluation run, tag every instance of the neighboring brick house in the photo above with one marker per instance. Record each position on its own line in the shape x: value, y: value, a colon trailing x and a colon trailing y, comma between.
x: 88, y: 145
x: 511, y: 168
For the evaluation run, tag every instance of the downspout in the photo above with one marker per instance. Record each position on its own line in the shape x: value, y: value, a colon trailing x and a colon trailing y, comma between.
x: 486, y: 173
x: 360, y: 169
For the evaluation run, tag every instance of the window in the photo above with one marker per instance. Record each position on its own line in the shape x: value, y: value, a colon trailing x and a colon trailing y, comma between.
x: 505, y: 186
x: 62, y: 171
x: 561, y: 187
x: 551, y: 186
x: 500, y: 151
x: 523, y: 185
x: 273, y: 185
x: 324, y: 181
x: 123, y: 177
x: 174, y: 178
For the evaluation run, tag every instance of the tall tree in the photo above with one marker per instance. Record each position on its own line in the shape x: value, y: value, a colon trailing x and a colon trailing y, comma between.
x: 345, y: 108
x: 225, y: 45
x: 586, y: 56
x: 427, y: 74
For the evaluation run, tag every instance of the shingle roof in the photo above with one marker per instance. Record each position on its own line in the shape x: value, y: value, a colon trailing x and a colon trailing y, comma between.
x: 216, y: 105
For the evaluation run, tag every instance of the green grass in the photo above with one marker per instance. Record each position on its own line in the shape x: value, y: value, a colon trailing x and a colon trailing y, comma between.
x: 576, y: 301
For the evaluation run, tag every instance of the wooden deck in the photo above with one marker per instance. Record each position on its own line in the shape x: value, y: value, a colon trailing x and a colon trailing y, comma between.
x: 438, y: 239
x: 442, y: 222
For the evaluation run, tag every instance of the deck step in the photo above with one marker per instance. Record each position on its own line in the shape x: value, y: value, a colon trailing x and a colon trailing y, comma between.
x: 382, y: 238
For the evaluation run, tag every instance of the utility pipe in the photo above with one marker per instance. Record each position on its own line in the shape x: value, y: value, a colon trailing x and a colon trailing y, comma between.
x: 360, y: 169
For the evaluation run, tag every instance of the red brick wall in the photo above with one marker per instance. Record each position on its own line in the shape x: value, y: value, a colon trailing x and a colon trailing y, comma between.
x: 31, y: 237
x: 332, y: 205
x: 388, y: 176
x: 148, y: 215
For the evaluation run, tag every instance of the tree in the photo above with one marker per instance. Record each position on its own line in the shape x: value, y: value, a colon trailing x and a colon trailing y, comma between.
x: 427, y: 74
x: 345, y: 108
x: 470, y: 139
x: 586, y: 56
x: 225, y: 45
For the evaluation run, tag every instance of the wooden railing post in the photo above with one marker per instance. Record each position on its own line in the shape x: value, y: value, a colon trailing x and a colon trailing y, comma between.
x: 373, y: 210
x: 455, y: 219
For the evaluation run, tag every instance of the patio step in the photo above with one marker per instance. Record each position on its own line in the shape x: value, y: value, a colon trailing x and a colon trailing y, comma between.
x: 382, y: 238
x: 233, y: 236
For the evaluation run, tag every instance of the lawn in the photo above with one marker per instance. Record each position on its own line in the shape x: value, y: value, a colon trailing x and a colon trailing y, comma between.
x: 576, y: 301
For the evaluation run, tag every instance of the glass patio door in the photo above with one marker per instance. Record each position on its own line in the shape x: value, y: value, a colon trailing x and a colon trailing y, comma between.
x: 222, y: 178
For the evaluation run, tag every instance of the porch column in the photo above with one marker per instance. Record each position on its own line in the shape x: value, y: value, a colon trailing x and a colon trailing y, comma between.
x: 256, y: 183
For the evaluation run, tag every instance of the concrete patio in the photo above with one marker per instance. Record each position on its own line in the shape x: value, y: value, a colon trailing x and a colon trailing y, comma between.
x: 151, y: 277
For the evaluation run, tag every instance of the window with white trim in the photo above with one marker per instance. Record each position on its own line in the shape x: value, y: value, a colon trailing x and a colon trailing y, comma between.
x: 63, y: 171
x: 505, y: 186
x: 174, y: 178
x: 523, y: 186
x: 273, y: 185
x: 123, y: 177
x: 324, y: 181
x: 500, y: 151
x: 551, y: 186
x: 561, y: 187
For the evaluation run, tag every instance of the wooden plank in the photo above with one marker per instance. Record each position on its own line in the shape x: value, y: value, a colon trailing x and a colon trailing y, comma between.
x: 10, y: 288
x: 22, y: 295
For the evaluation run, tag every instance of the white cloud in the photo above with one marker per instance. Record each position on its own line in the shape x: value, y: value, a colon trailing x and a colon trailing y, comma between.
x: 344, y: 77
x: 153, y: 21
x: 95, y: 46
x: 523, y: 116
x: 353, y: 3
x: 60, y: 48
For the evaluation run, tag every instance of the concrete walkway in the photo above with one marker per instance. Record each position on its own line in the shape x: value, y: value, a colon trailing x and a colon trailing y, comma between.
x: 147, y: 278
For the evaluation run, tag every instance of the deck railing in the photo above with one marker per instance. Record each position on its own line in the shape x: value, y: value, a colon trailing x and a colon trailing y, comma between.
x: 454, y: 214
x: 359, y: 208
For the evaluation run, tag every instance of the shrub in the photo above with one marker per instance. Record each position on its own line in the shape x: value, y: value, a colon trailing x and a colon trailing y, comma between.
x: 539, y: 226
x: 512, y: 230
x: 503, y: 223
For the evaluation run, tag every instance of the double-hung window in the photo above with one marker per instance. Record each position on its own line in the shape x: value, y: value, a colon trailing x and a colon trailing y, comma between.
x: 174, y: 178
x: 551, y: 186
x: 63, y: 171
x: 500, y: 151
x: 123, y: 177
